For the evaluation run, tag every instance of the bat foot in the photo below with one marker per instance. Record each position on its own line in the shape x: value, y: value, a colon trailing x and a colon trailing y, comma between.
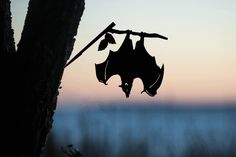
x: 152, y: 94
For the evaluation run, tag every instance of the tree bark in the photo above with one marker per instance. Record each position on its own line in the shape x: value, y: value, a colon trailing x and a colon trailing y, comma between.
x: 7, y: 40
x: 32, y: 75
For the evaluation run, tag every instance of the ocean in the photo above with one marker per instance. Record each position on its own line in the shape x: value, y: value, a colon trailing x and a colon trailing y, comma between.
x: 147, y: 131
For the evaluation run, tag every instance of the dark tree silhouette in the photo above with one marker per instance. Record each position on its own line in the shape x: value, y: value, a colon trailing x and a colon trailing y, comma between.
x: 31, y: 74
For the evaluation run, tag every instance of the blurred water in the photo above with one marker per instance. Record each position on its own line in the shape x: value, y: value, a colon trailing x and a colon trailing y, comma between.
x: 148, y: 131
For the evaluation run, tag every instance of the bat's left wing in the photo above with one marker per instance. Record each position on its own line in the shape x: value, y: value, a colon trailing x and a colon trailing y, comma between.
x: 107, y: 69
x: 147, y: 69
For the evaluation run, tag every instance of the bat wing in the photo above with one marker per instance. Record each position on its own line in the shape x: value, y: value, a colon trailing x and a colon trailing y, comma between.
x: 119, y: 62
x: 147, y: 70
x: 107, y: 69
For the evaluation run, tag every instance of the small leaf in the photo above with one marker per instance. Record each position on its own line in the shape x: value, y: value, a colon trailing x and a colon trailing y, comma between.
x: 103, y: 44
x: 110, y: 38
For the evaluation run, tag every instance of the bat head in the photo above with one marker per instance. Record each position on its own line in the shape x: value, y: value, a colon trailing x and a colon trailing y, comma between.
x: 126, y: 87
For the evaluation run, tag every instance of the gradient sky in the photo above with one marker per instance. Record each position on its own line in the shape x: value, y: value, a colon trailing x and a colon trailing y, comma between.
x: 199, y: 57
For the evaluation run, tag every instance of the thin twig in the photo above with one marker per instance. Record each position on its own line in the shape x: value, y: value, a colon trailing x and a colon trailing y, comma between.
x: 91, y: 43
x: 149, y: 35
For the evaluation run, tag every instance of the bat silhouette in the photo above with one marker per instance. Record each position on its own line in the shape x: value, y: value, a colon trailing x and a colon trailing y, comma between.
x: 129, y: 64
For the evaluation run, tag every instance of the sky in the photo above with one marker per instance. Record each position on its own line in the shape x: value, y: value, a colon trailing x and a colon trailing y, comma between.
x: 199, y: 55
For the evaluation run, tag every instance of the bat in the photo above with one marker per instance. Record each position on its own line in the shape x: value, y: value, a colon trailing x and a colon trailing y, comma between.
x: 147, y: 69
x: 129, y: 64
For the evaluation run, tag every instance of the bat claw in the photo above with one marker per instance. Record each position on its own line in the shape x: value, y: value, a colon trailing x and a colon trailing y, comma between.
x: 103, y: 82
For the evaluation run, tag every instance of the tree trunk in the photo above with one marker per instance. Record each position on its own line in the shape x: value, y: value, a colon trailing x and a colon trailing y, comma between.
x: 32, y: 75
x: 7, y: 40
